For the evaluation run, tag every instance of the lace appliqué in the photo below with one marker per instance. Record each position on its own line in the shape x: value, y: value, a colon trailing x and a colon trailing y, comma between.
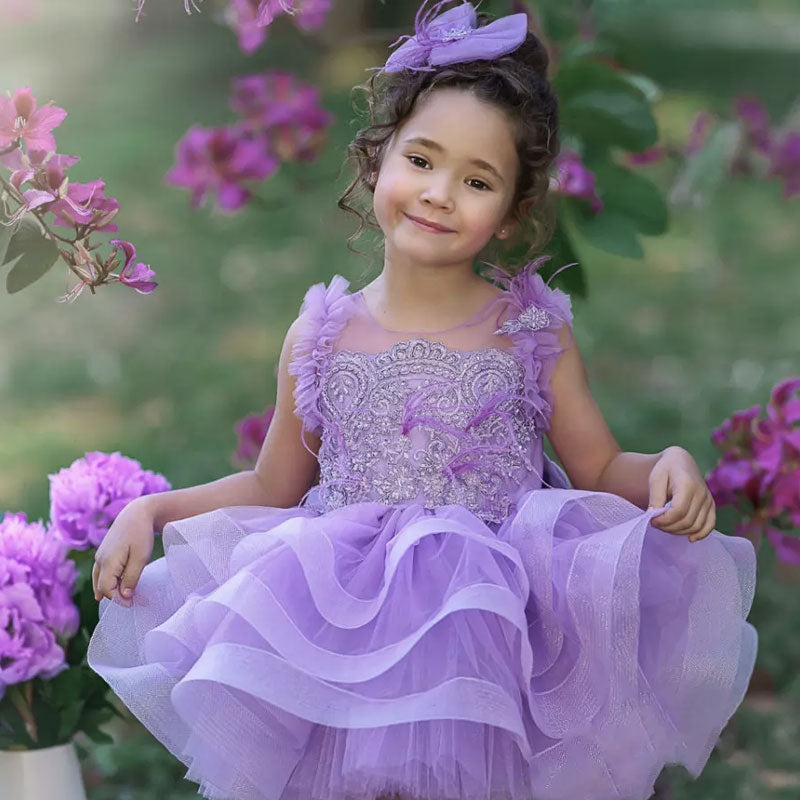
x: 422, y: 422
x: 532, y: 318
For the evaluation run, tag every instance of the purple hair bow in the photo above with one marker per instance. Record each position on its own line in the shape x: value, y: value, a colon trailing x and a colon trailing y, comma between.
x: 453, y: 37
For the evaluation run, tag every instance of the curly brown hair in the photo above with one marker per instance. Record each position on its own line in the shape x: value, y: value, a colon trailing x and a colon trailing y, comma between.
x: 518, y: 84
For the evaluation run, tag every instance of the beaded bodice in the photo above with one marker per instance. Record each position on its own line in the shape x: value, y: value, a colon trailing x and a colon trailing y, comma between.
x: 452, y: 418
x: 422, y: 422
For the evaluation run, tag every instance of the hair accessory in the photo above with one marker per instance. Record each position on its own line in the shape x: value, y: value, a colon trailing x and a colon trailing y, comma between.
x: 453, y: 37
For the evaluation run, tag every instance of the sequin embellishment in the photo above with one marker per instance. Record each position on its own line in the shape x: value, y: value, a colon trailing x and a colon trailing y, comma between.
x: 531, y: 319
x: 426, y: 423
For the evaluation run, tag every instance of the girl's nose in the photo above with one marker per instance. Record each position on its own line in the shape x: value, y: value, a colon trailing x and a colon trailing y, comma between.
x: 438, y: 193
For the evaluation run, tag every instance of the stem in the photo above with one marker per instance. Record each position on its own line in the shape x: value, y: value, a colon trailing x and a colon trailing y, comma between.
x: 22, y: 698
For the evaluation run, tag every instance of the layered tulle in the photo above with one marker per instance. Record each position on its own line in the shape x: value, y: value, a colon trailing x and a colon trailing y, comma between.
x: 396, y: 649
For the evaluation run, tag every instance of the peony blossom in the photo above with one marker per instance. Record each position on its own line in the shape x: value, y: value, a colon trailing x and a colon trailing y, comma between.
x: 36, y: 582
x: 87, y: 496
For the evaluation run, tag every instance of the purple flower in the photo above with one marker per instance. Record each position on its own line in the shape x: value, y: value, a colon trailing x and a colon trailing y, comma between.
x: 138, y: 277
x: 760, y: 469
x: 21, y: 119
x: 755, y: 119
x: 251, y: 432
x: 289, y: 111
x: 575, y: 180
x: 87, y: 496
x: 786, y: 163
x: 653, y: 155
x: 217, y: 160
x: 84, y: 204
x: 36, y: 582
x: 250, y: 18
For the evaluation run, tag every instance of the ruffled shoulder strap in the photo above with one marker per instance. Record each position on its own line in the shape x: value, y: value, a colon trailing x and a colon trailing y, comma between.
x: 536, y: 313
x: 323, y: 314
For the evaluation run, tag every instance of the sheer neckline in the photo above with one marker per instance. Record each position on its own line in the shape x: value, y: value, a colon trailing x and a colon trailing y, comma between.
x: 479, y: 314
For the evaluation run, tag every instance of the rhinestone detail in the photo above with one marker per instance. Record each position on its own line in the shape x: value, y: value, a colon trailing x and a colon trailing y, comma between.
x: 531, y: 319
x: 422, y: 422
x: 452, y: 34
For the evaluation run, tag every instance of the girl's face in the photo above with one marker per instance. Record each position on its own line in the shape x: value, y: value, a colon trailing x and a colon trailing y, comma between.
x: 454, y: 163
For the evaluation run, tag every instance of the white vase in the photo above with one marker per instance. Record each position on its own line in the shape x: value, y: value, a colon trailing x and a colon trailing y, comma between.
x: 52, y: 773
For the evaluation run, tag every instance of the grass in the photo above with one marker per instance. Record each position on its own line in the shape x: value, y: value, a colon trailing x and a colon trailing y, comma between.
x: 704, y: 325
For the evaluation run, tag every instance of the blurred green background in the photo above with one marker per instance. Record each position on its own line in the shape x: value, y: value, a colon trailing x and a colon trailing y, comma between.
x: 704, y: 325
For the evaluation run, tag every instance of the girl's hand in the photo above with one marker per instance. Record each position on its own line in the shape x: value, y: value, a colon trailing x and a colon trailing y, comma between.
x: 692, y: 511
x: 123, y: 553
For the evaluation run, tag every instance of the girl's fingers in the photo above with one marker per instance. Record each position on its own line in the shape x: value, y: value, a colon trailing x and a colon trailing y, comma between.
x: 709, y: 521
x: 693, y: 518
x: 677, y: 514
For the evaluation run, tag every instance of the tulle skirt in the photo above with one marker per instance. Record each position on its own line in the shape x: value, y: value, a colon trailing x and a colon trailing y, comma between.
x: 375, y: 650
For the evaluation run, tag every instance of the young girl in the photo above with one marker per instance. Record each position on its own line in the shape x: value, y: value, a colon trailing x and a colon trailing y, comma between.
x: 444, y: 615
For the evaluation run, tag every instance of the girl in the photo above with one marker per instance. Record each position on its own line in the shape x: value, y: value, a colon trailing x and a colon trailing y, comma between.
x: 445, y: 613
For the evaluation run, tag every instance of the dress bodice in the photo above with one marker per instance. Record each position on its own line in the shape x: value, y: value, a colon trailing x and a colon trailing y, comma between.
x: 440, y: 418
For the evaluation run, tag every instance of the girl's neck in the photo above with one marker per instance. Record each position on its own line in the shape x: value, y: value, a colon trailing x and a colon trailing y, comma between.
x: 426, y: 298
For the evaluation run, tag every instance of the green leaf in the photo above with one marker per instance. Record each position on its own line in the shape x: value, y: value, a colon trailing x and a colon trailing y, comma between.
x: 597, y: 103
x: 69, y: 720
x: 572, y: 279
x: 66, y: 685
x: 607, y: 230
x: 632, y: 195
x: 34, y: 253
x: 6, y: 232
x: 48, y: 720
x: 614, y: 118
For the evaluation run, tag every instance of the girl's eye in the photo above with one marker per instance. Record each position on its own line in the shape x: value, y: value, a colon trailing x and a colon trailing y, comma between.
x: 485, y: 186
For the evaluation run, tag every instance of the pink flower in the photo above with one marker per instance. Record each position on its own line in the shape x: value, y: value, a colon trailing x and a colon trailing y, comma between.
x: 786, y: 163
x: 217, y: 160
x: 653, y: 155
x: 139, y: 276
x: 786, y: 546
x: 86, y: 204
x: 20, y: 118
x: 242, y: 16
x: 250, y: 18
x: 251, y: 432
x: 288, y: 110
x: 760, y: 469
x: 575, y: 180
x: 755, y: 118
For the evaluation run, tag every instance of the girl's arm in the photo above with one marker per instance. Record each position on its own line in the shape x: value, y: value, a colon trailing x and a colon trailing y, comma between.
x: 283, y: 473
x: 582, y: 440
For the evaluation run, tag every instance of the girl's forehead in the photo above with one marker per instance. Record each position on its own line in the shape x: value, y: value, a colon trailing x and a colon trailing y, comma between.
x: 460, y: 123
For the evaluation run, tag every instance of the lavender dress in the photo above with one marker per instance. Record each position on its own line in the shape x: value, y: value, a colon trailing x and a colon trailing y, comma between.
x: 442, y: 617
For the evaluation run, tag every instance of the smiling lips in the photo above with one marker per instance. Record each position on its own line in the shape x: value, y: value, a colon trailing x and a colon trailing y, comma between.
x: 426, y: 225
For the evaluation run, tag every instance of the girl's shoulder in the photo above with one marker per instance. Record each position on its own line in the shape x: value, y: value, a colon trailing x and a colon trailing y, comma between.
x: 534, y: 313
x: 532, y: 304
x: 323, y: 313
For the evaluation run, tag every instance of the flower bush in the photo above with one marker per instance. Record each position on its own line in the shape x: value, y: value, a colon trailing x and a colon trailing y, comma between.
x: 759, y: 470
x: 47, y: 608
x: 38, y: 197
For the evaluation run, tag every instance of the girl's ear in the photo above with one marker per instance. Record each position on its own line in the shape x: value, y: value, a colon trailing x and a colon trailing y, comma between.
x: 506, y: 229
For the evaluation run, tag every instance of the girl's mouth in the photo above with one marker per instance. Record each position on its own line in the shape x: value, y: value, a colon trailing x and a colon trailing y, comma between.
x: 425, y: 227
